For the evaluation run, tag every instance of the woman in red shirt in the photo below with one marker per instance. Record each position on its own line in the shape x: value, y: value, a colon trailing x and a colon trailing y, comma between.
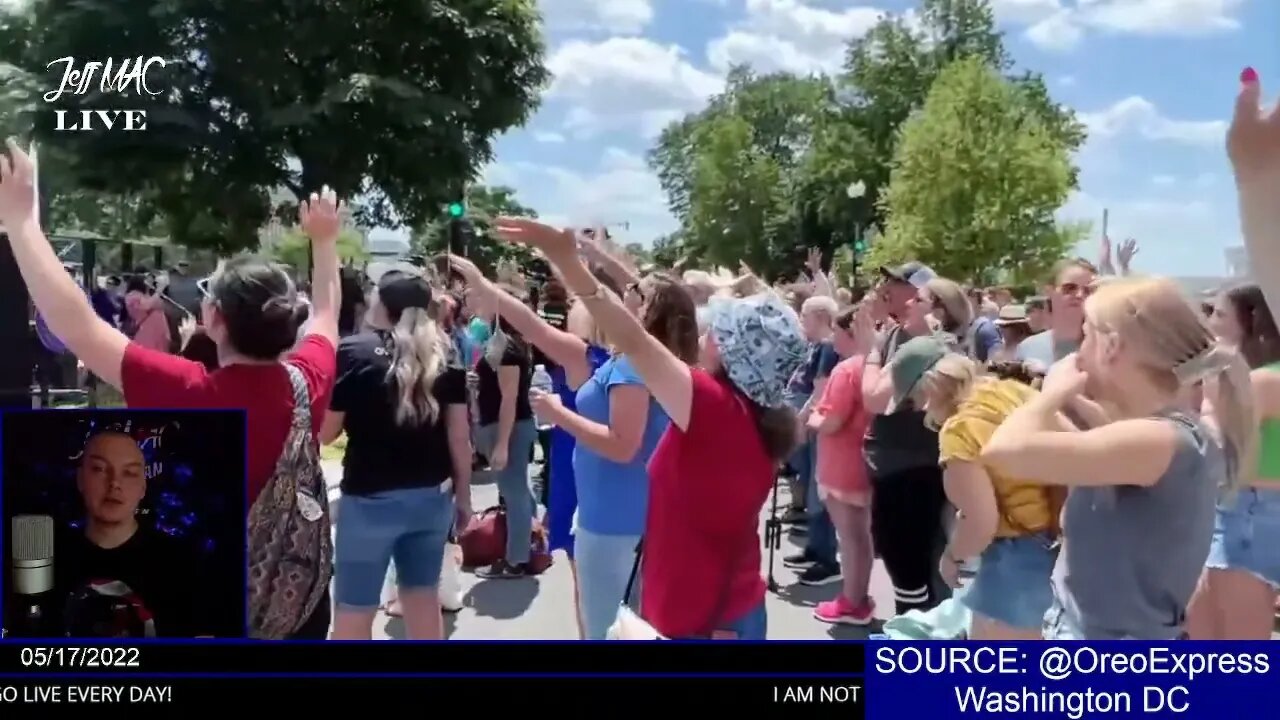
x: 730, y: 429
x: 251, y: 311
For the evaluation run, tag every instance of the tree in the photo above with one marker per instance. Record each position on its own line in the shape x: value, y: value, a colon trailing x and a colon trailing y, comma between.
x: 976, y: 179
x: 294, y: 249
x: 483, y: 204
x: 730, y: 171
x: 392, y: 101
x: 889, y: 71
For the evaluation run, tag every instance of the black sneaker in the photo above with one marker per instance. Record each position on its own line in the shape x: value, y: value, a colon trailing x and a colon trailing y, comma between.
x: 501, y: 570
x: 799, y: 561
x: 798, y: 529
x: 817, y: 575
x: 795, y: 516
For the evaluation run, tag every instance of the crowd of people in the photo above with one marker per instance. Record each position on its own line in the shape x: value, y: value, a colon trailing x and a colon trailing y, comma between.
x: 1097, y: 461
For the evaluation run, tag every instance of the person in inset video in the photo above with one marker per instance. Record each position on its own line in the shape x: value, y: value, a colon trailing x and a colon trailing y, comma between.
x: 123, y: 578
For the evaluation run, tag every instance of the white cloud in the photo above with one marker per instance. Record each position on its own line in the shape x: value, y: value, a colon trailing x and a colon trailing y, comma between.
x: 626, y: 83
x: 791, y: 35
x: 1061, y: 24
x: 1067, y: 81
x: 1138, y: 115
x: 548, y: 137
x: 621, y: 189
x: 1163, y: 180
x: 615, y: 16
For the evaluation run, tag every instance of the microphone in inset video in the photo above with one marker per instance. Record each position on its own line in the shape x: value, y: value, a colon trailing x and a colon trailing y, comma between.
x: 31, y: 551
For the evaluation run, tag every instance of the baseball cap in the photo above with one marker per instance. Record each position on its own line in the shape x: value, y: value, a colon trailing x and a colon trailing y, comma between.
x: 399, y: 290
x: 913, y: 273
x: 913, y: 359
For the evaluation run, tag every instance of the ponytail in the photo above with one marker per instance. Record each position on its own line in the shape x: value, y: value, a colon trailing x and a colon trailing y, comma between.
x: 777, y: 428
x: 1233, y: 412
x: 417, y: 359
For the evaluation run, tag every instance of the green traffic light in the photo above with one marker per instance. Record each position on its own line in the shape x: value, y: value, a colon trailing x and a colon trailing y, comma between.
x: 455, y: 209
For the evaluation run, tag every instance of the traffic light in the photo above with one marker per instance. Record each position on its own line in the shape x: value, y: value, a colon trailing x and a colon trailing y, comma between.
x: 456, y: 210
x: 859, y: 246
x: 461, y: 233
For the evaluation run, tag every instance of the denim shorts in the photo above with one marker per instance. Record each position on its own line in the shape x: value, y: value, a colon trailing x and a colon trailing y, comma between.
x: 410, y: 526
x: 1246, y: 535
x: 604, y: 565
x: 1011, y: 585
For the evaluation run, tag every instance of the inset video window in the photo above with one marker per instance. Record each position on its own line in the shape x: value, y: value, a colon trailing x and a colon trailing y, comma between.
x: 123, y: 523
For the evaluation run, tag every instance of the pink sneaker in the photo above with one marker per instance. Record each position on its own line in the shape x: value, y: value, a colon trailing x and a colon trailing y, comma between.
x: 842, y: 612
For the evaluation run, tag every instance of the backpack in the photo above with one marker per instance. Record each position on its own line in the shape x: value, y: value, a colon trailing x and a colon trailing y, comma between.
x: 290, y: 543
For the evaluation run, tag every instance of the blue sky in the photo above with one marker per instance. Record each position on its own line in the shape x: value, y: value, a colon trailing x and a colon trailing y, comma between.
x: 1152, y: 79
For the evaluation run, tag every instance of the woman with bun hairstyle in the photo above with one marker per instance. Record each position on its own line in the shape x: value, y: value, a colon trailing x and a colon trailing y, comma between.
x: 711, y: 473
x: 1009, y: 525
x: 250, y: 310
x: 1138, y: 521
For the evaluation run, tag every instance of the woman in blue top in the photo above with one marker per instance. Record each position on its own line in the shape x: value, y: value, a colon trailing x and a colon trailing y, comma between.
x: 617, y: 425
x: 576, y: 358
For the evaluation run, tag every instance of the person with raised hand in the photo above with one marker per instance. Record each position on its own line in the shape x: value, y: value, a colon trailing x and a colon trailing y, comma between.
x: 1253, y: 144
x: 730, y: 428
x: 251, y: 311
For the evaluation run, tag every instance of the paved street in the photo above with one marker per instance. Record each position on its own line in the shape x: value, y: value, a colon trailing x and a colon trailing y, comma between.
x: 541, y: 608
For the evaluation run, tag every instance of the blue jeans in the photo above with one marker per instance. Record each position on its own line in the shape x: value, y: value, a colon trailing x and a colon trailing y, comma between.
x: 1246, y: 535
x: 409, y: 526
x: 821, y: 541
x: 1012, y: 582
x: 513, y: 484
x: 604, y: 565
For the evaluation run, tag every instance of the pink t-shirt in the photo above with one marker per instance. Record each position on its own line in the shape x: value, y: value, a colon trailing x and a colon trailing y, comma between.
x: 840, y: 464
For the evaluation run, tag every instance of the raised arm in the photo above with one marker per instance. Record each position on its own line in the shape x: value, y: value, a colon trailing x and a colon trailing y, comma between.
x: 62, y: 303
x: 563, y: 348
x: 321, y: 218
x: 667, y: 377
x: 617, y: 270
x: 1253, y: 143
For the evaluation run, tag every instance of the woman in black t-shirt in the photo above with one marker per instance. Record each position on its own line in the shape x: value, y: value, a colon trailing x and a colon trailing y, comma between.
x: 406, y: 475
x: 505, y: 434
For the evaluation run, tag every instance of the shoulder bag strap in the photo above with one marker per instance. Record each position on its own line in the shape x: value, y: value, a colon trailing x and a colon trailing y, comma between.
x: 635, y: 572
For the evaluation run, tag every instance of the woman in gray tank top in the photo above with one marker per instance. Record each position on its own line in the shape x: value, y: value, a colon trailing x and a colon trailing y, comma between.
x: 1143, y: 477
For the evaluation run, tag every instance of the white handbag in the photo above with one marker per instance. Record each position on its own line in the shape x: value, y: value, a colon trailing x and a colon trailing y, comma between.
x: 628, y: 625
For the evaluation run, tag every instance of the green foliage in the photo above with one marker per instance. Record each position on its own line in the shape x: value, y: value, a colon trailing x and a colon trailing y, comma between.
x: 782, y: 150
x: 392, y: 101
x: 294, y: 249
x: 483, y: 204
x: 976, y: 179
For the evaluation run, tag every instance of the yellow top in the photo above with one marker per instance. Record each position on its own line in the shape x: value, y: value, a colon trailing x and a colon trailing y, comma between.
x: 1025, y: 507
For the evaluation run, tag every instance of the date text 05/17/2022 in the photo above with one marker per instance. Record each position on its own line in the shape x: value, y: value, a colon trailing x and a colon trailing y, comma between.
x: 94, y: 694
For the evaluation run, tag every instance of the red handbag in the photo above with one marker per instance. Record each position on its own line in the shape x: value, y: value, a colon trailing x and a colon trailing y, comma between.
x: 484, y: 541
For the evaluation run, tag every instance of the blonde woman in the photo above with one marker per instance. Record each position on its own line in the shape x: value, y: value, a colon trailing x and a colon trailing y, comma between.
x: 1139, y: 518
x: 406, y: 474
x: 1009, y: 525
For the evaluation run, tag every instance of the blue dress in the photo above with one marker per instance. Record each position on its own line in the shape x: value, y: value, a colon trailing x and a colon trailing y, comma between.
x: 563, y: 500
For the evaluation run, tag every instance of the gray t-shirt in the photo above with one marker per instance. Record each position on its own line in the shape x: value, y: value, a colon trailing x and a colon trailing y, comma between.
x: 1042, y: 349
x: 1133, y: 555
x: 900, y: 440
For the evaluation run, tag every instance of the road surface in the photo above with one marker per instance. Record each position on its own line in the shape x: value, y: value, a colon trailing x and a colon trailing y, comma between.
x: 541, y: 608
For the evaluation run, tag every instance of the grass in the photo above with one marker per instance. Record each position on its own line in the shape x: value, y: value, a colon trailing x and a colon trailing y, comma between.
x: 335, y: 450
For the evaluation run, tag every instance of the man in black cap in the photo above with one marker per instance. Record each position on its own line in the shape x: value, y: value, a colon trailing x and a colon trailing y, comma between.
x: 902, y: 454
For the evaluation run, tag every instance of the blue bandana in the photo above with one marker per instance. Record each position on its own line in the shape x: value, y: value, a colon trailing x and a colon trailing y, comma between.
x: 760, y: 345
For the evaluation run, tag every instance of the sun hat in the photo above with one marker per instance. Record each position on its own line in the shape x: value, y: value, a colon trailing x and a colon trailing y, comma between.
x: 760, y: 344
x: 1012, y: 315
x: 913, y: 359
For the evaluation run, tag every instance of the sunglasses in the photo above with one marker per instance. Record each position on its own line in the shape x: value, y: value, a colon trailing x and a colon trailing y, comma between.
x: 203, y: 286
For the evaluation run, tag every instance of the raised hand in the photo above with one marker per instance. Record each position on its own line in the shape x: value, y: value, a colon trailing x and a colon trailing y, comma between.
x: 321, y: 216
x: 17, y: 186
x: 1104, y: 255
x: 814, y: 261
x: 467, y: 269
x: 1125, y: 254
x: 1253, y: 140
x: 557, y: 245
